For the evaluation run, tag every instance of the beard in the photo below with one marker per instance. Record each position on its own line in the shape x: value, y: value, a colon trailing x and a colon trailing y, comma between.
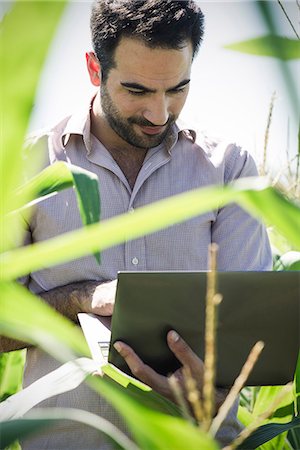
x: 125, y: 127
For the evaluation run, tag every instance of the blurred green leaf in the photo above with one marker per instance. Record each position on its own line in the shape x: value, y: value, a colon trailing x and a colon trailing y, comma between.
x: 25, y: 317
x: 151, y: 429
x: 265, y: 397
x: 61, y: 176
x: 37, y: 323
x: 266, y: 46
x: 267, y: 432
x: 294, y: 438
x: 265, y: 11
x: 41, y: 418
x: 252, y: 194
x: 21, y: 61
x: 288, y: 261
x: 297, y: 387
x: 11, y: 373
x: 140, y: 392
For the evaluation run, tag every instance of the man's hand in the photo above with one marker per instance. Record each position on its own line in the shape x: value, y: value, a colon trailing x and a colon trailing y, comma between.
x: 102, y: 299
x: 160, y: 383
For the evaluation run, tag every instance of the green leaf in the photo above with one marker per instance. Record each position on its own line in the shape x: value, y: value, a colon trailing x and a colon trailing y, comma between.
x: 25, y: 317
x: 245, y: 416
x: 294, y: 438
x: 61, y: 176
x: 11, y: 373
x: 37, y: 323
x: 297, y: 387
x: 270, y: 45
x: 267, y: 432
x: 151, y: 429
x: 288, y: 261
x: 41, y: 418
x: 21, y: 61
x: 265, y: 397
x: 251, y: 193
x: 142, y: 393
x: 266, y: 13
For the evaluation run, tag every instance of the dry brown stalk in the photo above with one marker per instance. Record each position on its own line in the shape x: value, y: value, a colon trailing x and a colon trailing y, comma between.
x: 210, y: 334
x: 193, y: 395
x: 263, y: 170
x: 177, y: 391
x: 237, y: 386
x: 261, y: 418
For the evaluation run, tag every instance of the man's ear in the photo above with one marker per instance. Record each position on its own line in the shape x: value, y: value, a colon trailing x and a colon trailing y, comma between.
x: 93, y: 67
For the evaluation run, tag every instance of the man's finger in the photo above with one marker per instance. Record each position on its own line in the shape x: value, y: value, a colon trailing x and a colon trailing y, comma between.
x: 185, y: 354
x: 141, y: 370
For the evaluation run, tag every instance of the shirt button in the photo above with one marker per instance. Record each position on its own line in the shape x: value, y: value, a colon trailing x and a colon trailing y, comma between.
x: 135, y: 261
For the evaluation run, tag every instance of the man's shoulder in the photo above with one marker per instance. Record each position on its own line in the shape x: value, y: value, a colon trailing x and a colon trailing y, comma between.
x: 45, y: 146
x: 223, y: 153
x: 47, y: 133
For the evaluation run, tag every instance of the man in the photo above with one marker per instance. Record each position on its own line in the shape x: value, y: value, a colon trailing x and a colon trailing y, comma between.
x: 128, y: 136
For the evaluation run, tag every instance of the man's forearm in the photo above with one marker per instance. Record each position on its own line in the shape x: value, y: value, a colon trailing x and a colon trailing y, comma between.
x: 8, y: 344
x: 69, y: 300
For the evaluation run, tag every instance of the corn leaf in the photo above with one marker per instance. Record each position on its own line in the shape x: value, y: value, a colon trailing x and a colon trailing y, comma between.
x: 25, y: 317
x: 38, y: 323
x: 294, y: 438
x: 267, y: 432
x: 46, y: 417
x: 21, y: 61
x: 269, y: 45
x: 265, y: 397
x: 152, y: 429
x: 288, y: 261
x: 11, y: 373
x: 61, y: 176
x: 264, y: 10
x: 297, y: 387
x: 252, y: 194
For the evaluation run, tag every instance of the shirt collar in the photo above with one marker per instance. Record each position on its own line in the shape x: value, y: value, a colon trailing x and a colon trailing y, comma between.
x: 80, y: 124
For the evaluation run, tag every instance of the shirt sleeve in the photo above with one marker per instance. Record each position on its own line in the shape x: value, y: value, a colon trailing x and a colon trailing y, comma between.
x: 242, y: 240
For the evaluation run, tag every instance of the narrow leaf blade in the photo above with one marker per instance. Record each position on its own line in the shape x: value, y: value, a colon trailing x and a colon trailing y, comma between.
x: 268, y: 46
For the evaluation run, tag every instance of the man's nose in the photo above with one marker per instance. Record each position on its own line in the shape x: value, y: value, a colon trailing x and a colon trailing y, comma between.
x: 157, y: 112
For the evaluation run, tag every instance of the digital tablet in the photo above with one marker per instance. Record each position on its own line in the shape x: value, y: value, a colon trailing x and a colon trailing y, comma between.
x: 256, y: 306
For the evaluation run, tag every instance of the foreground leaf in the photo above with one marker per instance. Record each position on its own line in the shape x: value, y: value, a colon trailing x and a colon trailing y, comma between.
x: 25, y: 317
x: 61, y: 176
x: 11, y: 373
x: 297, y: 388
x: 21, y: 29
x: 288, y: 261
x: 252, y: 194
x: 47, y: 417
x: 268, y: 46
x: 151, y: 429
x: 267, y: 432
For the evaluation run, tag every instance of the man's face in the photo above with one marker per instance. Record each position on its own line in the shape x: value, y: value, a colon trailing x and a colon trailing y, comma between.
x: 145, y: 91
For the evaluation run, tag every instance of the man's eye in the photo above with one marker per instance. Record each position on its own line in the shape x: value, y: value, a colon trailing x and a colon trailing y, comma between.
x: 131, y: 92
x: 177, y: 91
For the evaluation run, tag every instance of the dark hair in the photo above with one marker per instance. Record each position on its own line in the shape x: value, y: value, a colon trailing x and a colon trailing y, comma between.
x: 158, y: 23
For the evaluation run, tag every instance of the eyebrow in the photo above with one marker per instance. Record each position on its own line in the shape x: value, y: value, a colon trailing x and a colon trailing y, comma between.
x: 145, y: 89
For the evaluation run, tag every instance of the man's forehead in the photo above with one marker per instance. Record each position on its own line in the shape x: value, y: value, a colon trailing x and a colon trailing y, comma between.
x: 136, y: 60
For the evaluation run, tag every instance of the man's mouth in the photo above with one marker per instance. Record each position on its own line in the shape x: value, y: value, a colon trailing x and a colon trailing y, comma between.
x: 152, y: 130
